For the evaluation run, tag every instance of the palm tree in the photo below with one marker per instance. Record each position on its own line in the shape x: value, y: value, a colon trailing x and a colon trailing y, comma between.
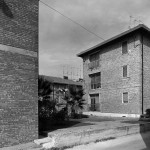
x: 46, y: 106
x: 74, y: 100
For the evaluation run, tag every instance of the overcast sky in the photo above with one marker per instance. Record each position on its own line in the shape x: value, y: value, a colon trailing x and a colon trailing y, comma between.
x: 60, y: 39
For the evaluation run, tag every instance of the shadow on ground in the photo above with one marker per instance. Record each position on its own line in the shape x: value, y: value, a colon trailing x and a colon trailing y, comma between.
x: 52, y: 125
x: 144, y: 130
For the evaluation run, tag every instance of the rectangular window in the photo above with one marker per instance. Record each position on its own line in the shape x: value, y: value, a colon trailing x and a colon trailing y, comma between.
x: 94, y: 61
x: 95, y: 80
x: 125, y: 97
x: 125, y: 71
x: 124, y: 47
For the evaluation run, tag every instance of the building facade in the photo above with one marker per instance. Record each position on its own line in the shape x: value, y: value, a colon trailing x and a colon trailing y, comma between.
x: 18, y: 71
x: 117, y: 73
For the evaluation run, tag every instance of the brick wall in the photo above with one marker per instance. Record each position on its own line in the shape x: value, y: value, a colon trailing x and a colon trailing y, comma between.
x: 18, y: 23
x: 18, y: 71
x: 113, y: 84
x: 146, y: 72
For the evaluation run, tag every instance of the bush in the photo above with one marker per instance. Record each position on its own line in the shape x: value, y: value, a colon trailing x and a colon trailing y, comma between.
x: 148, y: 111
x: 59, y: 116
x: 46, y: 108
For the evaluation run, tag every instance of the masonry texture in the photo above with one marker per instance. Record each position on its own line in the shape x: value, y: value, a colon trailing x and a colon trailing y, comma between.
x: 113, y: 84
x: 18, y: 71
x: 146, y: 71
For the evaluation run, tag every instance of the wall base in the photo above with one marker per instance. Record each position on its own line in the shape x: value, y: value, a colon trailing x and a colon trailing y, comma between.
x: 94, y: 113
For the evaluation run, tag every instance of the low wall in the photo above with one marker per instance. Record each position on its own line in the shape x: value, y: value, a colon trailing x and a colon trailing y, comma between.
x: 66, y: 138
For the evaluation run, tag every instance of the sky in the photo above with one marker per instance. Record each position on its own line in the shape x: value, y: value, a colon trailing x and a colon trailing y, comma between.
x: 60, y: 39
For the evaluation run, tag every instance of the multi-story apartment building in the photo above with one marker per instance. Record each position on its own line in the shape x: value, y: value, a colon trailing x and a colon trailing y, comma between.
x: 18, y: 71
x: 117, y: 73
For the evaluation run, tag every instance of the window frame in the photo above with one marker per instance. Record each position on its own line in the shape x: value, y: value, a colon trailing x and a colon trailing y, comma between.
x: 94, y: 60
x: 123, y: 97
x: 96, y: 55
x: 126, y: 71
x: 123, y: 53
x: 94, y: 85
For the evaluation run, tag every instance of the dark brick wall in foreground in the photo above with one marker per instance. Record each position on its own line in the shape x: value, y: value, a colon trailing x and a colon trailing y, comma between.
x: 18, y: 23
x: 18, y: 72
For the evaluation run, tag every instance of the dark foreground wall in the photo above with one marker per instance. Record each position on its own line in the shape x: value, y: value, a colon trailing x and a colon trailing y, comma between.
x: 18, y: 71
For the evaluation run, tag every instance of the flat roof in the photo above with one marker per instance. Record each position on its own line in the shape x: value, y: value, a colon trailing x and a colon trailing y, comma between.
x: 139, y: 27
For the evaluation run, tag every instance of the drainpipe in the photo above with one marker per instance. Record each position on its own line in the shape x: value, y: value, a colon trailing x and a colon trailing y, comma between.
x: 53, y: 91
x: 142, y: 77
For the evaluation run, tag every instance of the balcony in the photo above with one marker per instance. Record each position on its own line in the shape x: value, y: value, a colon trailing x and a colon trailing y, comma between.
x: 94, y: 107
x: 95, y: 85
x: 93, y: 64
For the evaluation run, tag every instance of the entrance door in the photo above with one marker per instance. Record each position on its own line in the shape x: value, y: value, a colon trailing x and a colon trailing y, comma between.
x: 95, y: 105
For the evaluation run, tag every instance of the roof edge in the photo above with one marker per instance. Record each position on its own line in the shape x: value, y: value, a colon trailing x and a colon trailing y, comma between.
x: 140, y: 26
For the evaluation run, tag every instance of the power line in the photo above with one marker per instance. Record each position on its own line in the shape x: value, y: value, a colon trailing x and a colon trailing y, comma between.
x: 71, y: 19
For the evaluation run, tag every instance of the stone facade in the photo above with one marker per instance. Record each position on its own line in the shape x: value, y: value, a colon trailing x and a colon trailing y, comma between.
x: 18, y: 71
x: 113, y: 84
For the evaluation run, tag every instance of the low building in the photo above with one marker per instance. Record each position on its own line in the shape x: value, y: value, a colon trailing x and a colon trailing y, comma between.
x: 116, y: 73
x: 58, y: 84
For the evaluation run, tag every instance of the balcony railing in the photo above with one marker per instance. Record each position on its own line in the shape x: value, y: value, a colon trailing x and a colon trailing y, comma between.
x: 94, y: 107
x: 93, y: 64
x: 95, y: 85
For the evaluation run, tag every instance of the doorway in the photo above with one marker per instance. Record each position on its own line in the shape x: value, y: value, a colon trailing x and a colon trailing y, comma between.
x: 95, y: 104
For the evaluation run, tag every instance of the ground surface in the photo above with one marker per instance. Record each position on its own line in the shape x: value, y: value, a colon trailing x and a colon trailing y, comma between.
x: 92, y: 120
x: 139, y: 141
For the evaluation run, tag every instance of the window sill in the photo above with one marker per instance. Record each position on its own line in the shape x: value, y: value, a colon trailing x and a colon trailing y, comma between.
x: 95, y: 89
x: 125, y: 103
x: 95, y: 68
x: 125, y: 78
x: 125, y: 53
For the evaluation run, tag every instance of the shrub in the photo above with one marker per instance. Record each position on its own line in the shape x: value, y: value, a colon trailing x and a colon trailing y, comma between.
x: 59, y: 116
x: 148, y: 111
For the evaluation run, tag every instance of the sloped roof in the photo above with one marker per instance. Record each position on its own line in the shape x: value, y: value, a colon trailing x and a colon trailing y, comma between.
x: 139, y: 27
x: 59, y: 80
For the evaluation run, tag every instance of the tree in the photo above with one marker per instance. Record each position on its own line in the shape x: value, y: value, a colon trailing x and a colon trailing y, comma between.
x: 74, y: 100
x: 46, y: 106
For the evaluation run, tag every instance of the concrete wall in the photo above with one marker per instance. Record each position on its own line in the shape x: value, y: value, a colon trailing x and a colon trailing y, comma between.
x: 113, y: 84
x: 146, y: 71
x: 18, y: 71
